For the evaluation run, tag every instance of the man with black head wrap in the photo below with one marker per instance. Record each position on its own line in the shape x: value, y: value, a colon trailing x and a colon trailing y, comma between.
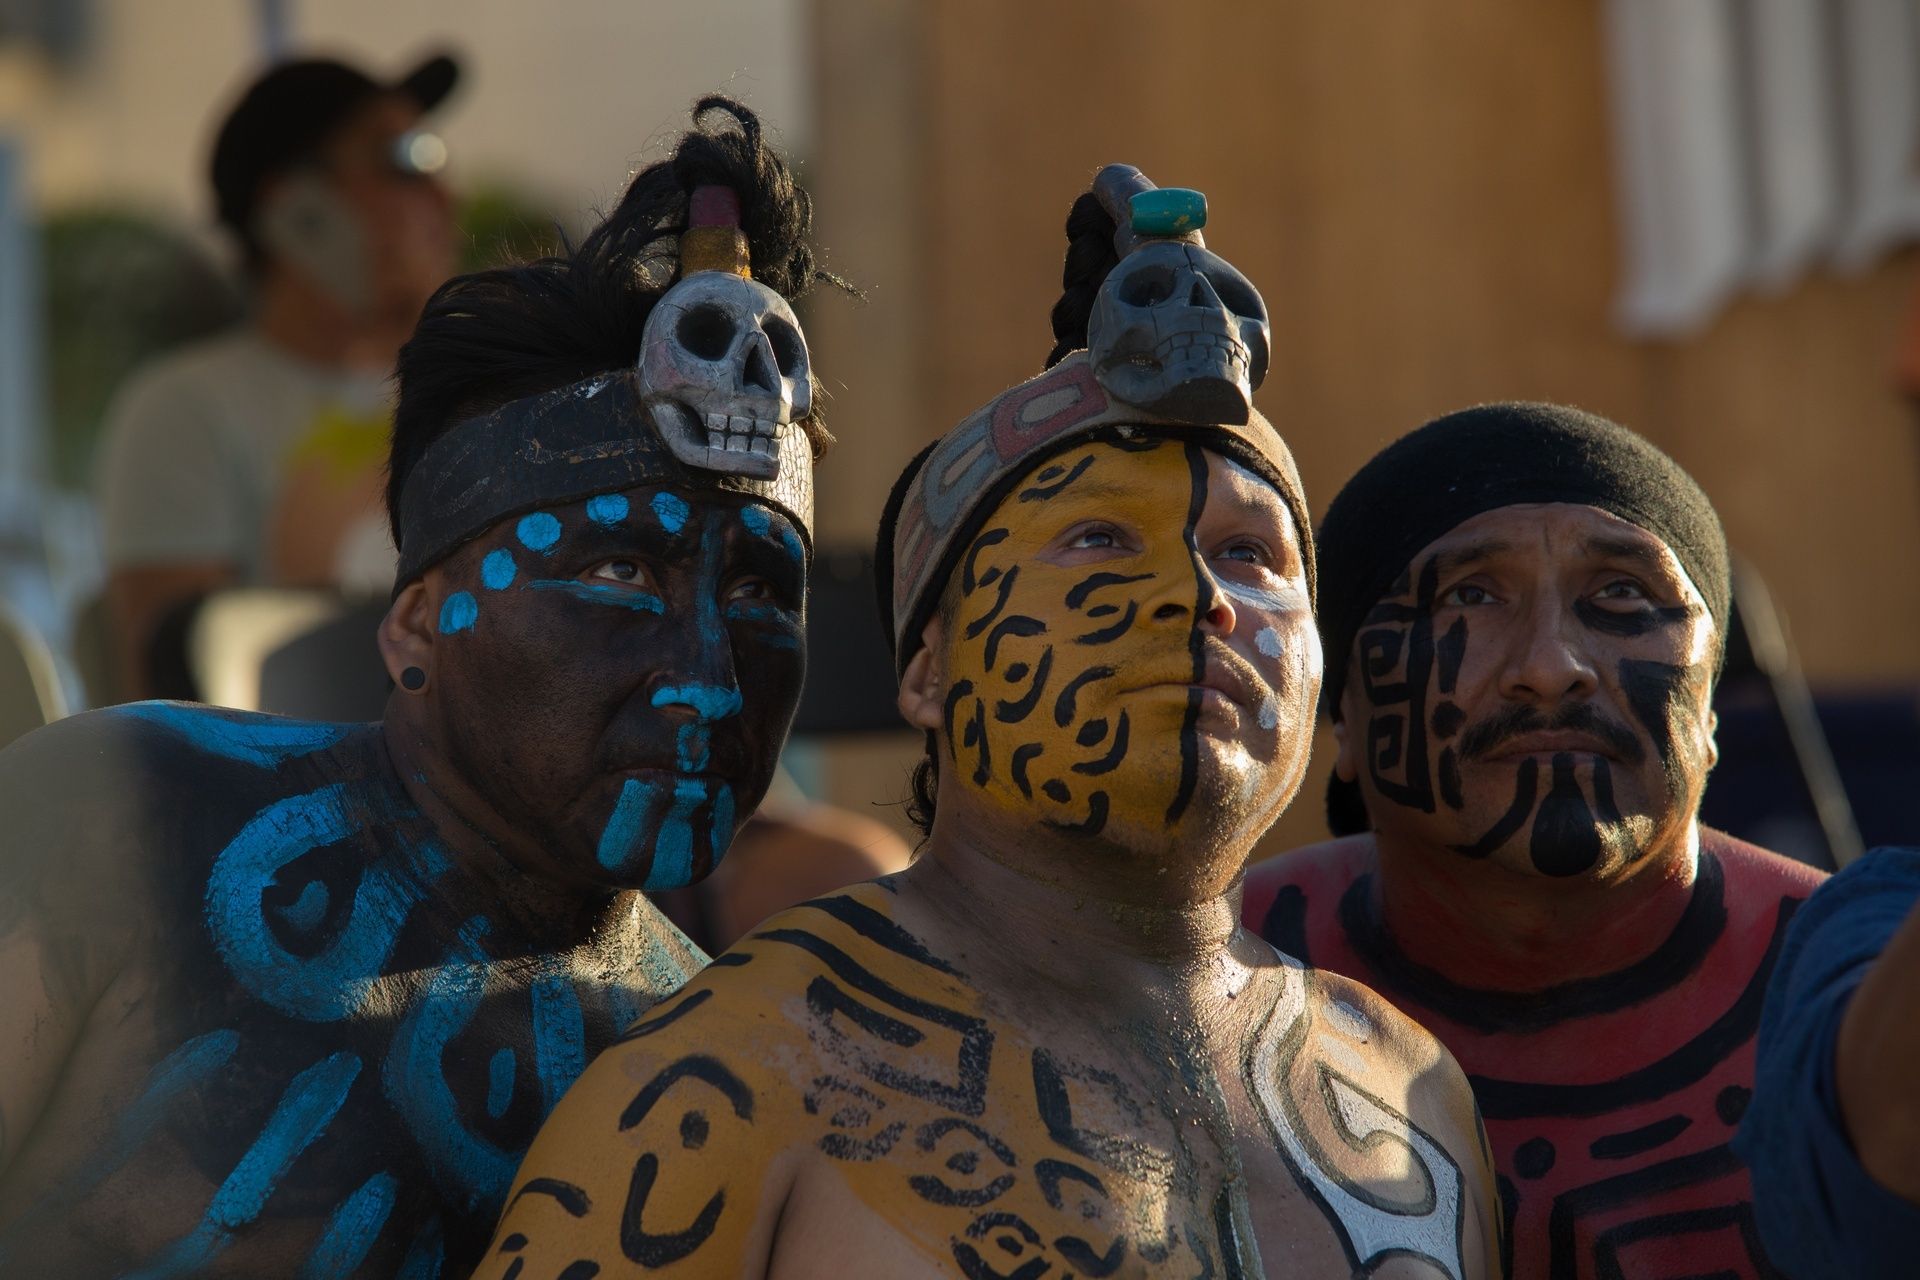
x: 291, y: 999
x: 1524, y: 612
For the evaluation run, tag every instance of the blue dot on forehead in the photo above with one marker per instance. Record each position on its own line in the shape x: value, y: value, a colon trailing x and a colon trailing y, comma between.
x: 539, y: 531
x: 607, y: 508
x: 497, y: 570
x: 671, y: 510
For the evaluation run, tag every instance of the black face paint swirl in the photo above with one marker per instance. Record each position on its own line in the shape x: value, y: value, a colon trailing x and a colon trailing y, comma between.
x: 1398, y: 638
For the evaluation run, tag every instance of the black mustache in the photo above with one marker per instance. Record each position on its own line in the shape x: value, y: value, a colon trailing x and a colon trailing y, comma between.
x: 1484, y: 736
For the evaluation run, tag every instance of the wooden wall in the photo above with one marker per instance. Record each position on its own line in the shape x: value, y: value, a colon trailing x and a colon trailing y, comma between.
x: 1424, y: 194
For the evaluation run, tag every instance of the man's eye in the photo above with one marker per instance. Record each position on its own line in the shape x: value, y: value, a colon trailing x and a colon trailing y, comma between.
x: 1246, y: 553
x: 1467, y: 594
x: 1094, y: 539
x: 751, y: 589
x: 621, y: 571
x: 1622, y: 589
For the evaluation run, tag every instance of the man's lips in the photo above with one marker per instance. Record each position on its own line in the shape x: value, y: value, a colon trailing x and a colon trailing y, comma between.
x: 1544, y: 742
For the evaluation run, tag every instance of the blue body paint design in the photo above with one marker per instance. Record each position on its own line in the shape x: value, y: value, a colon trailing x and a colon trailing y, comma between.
x: 559, y: 1036
x: 425, y: 1256
x: 538, y: 532
x: 709, y: 701
x: 352, y: 1229
x: 497, y: 570
x: 302, y: 1115
x: 266, y: 741
x: 598, y: 593
x: 673, y: 849
x: 500, y: 1072
x: 333, y: 981
x: 471, y: 1170
x: 671, y: 510
x: 622, y: 832
x: 459, y: 613
x: 607, y: 508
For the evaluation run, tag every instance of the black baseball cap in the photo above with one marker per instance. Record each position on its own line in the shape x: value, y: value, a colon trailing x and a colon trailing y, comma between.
x: 290, y: 111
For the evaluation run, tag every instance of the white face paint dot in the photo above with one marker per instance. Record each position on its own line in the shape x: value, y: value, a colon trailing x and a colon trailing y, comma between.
x: 1269, y: 643
x: 1269, y: 714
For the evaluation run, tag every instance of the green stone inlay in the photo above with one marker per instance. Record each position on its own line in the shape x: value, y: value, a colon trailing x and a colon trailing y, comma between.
x: 1169, y: 211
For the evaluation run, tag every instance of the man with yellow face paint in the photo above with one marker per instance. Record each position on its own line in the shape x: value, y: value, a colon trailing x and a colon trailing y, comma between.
x: 1048, y: 1049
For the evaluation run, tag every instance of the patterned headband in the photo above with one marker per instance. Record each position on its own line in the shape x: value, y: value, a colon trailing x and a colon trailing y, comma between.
x: 1177, y: 343
x: 722, y: 384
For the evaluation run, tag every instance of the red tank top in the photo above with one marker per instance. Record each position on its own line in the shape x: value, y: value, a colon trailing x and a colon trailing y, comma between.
x: 1610, y: 1101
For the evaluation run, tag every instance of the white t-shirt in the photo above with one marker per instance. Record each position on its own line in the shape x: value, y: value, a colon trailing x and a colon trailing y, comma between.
x: 200, y: 446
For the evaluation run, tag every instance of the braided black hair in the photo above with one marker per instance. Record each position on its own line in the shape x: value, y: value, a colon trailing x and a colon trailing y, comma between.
x: 1090, y: 256
x: 512, y: 331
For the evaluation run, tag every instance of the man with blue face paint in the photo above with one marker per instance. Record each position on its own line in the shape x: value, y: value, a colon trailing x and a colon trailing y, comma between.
x: 291, y: 999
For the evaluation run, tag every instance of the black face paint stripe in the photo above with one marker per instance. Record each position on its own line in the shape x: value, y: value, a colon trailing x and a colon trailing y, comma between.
x: 1095, y: 822
x: 1447, y: 719
x: 1526, y: 782
x: 961, y: 688
x: 977, y: 737
x: 1013, y: 712
x: 981, y: 623
x: 1093, y: 731
x: 992, y: 537
x: 1077, y: 596
x: 1042, y: 492
x: 1653, y: 693
x: 1637, y: 622
x: 1021, y: 755
x: 1108, y: 634
x: 1451, y: 651
x: 1189, y: 724
x: 1063, y: 705
x: 1566, y: 835
x: 1110, y: 761
x: 1018, y: 625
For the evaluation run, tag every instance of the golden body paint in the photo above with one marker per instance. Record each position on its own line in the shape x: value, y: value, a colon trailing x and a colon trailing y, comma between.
x: 831, y: 1082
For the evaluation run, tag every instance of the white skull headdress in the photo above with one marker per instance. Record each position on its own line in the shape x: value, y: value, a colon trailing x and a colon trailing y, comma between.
x: 723, y: 361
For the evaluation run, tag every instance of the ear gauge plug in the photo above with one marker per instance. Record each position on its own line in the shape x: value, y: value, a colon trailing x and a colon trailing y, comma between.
x: 413, y: 679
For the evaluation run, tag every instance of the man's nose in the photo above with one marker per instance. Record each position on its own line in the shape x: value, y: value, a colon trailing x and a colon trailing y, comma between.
x: 707, y: 702
x: 1547, y: 661
x: 1199, y: 593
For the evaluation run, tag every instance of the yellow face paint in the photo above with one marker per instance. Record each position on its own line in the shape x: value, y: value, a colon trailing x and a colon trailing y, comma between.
x: 1069, y: 681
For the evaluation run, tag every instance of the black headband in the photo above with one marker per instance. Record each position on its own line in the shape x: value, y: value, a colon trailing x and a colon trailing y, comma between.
x: 1500, y: 455
x: 595, y: 436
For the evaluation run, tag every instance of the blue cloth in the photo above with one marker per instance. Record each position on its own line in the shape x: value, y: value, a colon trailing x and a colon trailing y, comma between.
x: 1819, y: 1213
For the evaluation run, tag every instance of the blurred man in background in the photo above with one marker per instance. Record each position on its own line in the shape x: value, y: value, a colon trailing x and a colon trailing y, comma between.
x: 256, y: 458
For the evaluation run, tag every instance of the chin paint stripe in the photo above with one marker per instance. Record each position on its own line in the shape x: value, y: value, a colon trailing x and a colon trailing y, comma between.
x: 623, y: 829
x: 352, y: 1229
x: 538, y: 532
x: 265, y: 742
x: 673, y: 848
x: 671, y: 510
x: 607, y: 509
x: 497, y: 570
x: 304, y: 1111
x: 459, y: 613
